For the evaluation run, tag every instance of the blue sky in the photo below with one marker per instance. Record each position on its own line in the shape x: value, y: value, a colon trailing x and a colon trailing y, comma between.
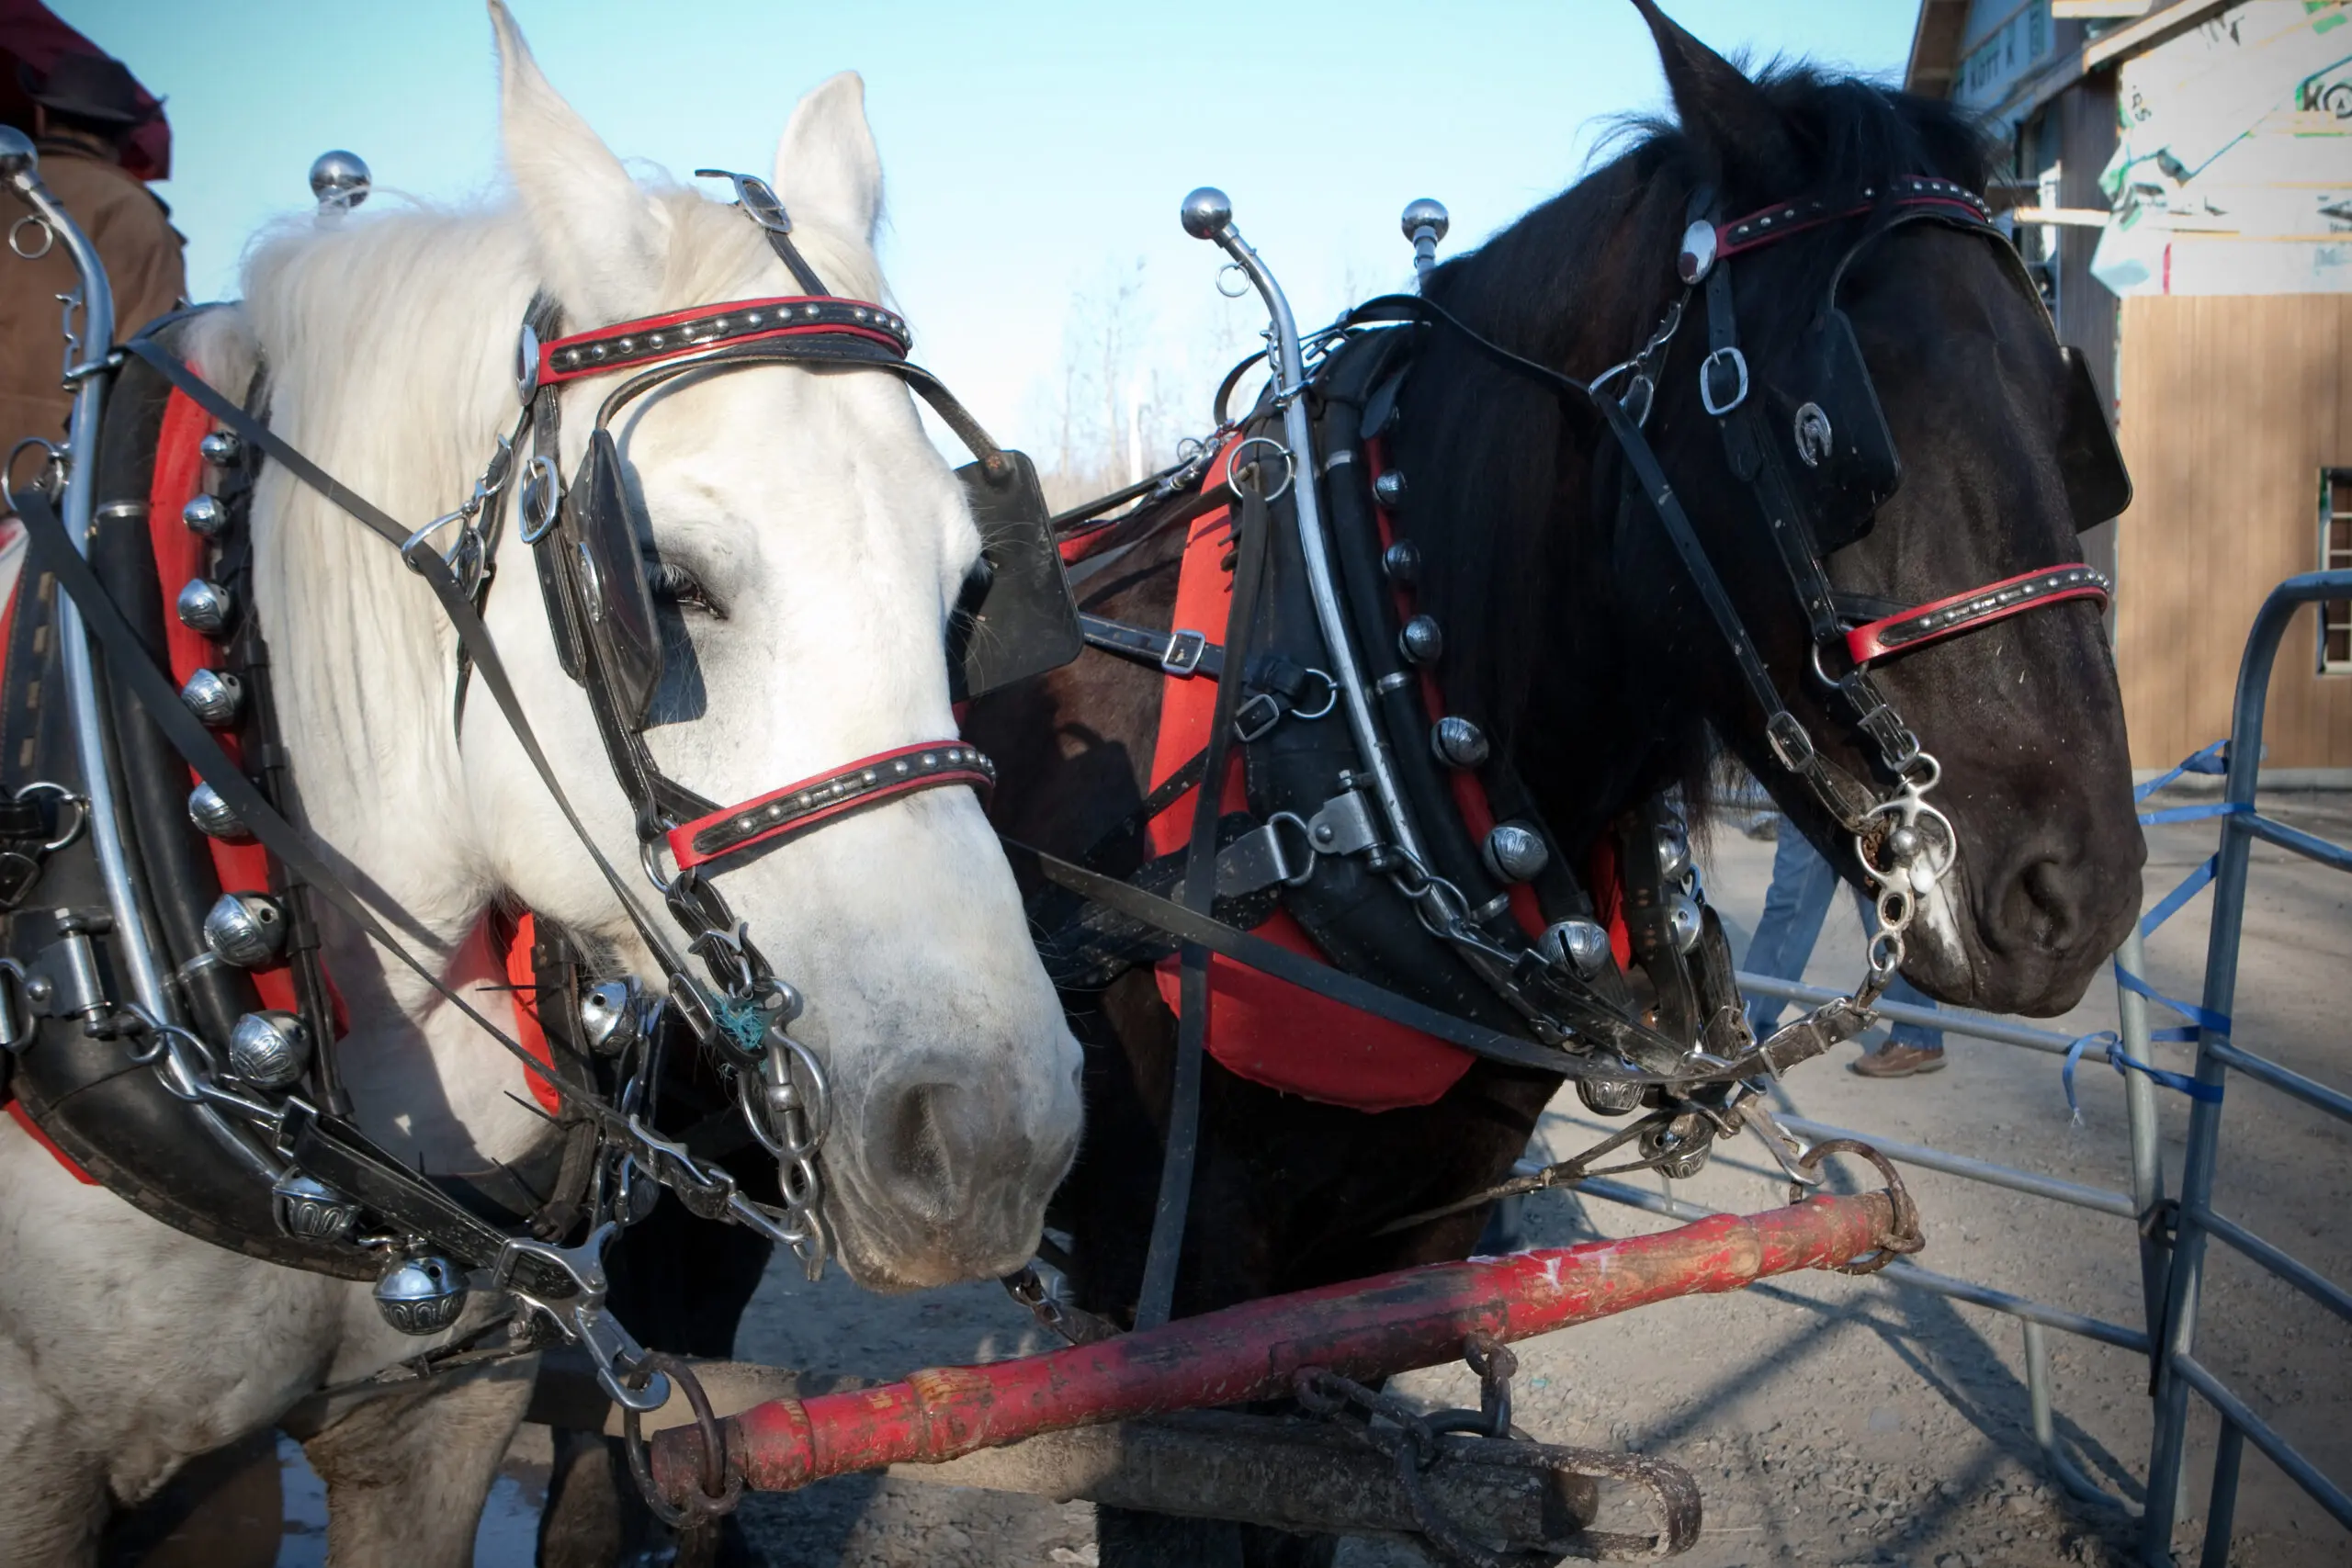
x: 1034, y: 154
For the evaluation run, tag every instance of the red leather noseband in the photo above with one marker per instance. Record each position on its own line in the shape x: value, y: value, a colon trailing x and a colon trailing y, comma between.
x: 1978, y: 607
x: 800, y: 807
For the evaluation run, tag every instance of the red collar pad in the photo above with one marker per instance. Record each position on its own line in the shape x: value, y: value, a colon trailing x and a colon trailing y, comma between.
x: 648, y: 340
x: 798, y: 807
x: 1977, y: 607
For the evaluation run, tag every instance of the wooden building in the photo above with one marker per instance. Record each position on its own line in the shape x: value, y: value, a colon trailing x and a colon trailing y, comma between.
x: 2180, y: 172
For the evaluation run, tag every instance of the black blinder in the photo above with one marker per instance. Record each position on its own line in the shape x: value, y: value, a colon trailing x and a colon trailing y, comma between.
x: 2097, y: 485
x: 1018, y: 618
x: 609, y: 543
x: 1843, y: 462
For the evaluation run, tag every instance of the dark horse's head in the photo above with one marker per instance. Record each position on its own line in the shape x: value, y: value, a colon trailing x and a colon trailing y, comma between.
x: 1589, y: 653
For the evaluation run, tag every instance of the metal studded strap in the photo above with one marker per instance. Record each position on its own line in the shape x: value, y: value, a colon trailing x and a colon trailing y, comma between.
x: 1979, y: 607
x: 798, y: 807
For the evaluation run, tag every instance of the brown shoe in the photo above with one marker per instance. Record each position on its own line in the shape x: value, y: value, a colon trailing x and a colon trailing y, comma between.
x: 1893, y: 1060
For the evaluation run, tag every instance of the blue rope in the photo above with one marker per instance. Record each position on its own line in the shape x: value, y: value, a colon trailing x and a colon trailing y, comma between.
x: 2211, y: 760
x: 2211, y: 1093
x: 745, y: 1021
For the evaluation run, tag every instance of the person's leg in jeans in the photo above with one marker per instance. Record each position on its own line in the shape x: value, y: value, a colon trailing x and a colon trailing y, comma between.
x: 1794, y: 907
x: 1910, y: 1048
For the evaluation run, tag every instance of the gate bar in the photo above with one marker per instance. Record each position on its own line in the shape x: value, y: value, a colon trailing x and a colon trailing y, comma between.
x: 2177, y: 1369
x: 1415, y: 1317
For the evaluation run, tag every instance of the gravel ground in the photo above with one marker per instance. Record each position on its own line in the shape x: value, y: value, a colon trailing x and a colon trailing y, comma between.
x: 1828, y: 1420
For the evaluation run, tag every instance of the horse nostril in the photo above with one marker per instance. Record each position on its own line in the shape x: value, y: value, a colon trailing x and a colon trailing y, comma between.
x: 925, y: 1143
x: 2045, y: 908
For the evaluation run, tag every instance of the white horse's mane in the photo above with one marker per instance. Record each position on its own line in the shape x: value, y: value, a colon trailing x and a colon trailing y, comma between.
x: 386, y: 343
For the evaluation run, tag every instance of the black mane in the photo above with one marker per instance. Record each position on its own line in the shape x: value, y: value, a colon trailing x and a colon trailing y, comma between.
x: 1517, y: 557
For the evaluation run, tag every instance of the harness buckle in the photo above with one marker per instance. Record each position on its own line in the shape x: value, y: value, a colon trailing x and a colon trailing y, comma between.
x: 1182, y: 655
x: 1785, y: 732
x: 1709, y: 368
x: 1256, y: 718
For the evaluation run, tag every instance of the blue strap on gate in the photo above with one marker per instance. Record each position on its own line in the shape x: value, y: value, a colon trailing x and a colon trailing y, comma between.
x: 2211, y: 760
x: 2122, y: 1063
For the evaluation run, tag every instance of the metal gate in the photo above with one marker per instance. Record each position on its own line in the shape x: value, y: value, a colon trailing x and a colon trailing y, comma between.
x: 2169, y: 1237
x: 2178, y: 1371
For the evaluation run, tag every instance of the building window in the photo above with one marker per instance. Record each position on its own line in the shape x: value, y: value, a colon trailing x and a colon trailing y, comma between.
x: 2335, y: 555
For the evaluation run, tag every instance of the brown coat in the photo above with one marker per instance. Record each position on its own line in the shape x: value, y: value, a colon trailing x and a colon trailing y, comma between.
x: 142, y: 253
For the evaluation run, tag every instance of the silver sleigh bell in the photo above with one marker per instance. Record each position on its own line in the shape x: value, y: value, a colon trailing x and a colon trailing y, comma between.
x: 1580, y: 945
x: 1458, y: 742
x: 269, y: 1050
x: 422, y: 1295
x: 206, y: 607
x: 214, y: 697
x: 608, y: 1017
x: 214, y: 818
x: 245, y: 928
x: 1515, y: 852
x: 204, y: 515
x: 309, y: 1210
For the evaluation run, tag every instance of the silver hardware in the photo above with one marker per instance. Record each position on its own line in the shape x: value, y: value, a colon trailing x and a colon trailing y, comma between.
x: 1394, y: 681
x: 1697, y: 257
x: 1493, y: 909
x: 422, y: 1295
x: 1344, y: 826
x: 1738, y: 362
x: 87, y: 323
x: 63, y: 980
x: 1331, y: 698
x: 269, y: 1050
x: 206, y: 516
x: 1680, y: 1148
x: 1209, y: 216
x: 1206, y: 214
x: 79, y: 808
x: 1425, y: 222
x: 1515, y: 852
x: 1609, y: 1097
x: 206, y: 607
x: 212, y: 696
x: 47, y: 237
x: 1182, y: 655
x: 1903, y: 844
x: 214, y: 818
x: 1457, y: 742
x: 1579, y: 945
x: 756, y: 198
x: 526, y: 362
x: 1235, y: 468
x: 18, y: 156
x: 309, y: 1210
x: 1683, y: 923
x: 609, y: 1019
x: 1673, y: 850
x: 1811, y: 433
x: 1264, y: 856
x: 18, y: 1030
x: 1389, y: 489
x: 245, y: 928
x: 340, y: 181
x: 1402, y: 563
x: 542, y: 498
x: 1421, y: 640
x: 220, y: 447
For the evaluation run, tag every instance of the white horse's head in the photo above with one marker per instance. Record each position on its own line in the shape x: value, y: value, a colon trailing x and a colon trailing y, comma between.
x: 812, y: 548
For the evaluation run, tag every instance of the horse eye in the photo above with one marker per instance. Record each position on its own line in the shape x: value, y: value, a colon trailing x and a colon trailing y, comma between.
x: 674, y: 584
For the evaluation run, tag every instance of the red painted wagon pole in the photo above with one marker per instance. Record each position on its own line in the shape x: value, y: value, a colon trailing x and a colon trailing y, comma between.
x: 1366, y: 1329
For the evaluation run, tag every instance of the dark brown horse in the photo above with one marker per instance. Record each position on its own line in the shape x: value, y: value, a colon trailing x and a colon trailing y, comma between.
x: 1575, y: 638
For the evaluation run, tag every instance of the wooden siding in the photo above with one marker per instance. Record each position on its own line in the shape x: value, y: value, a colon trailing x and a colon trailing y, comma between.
x: 2230, y: 407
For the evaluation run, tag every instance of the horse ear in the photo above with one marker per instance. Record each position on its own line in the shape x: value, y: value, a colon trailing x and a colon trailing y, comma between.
x: 1723, y: 111
x: 600, y: 239
x: 827, y: 171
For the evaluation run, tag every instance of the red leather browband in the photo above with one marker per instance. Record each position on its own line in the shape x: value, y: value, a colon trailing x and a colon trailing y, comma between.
x: 1977, y: 607
x: 1781, y: 219
x: 797, y: 807
x: 628, y: 344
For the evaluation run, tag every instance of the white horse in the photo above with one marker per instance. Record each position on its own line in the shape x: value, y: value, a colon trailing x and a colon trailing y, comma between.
x: 832, y: 541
